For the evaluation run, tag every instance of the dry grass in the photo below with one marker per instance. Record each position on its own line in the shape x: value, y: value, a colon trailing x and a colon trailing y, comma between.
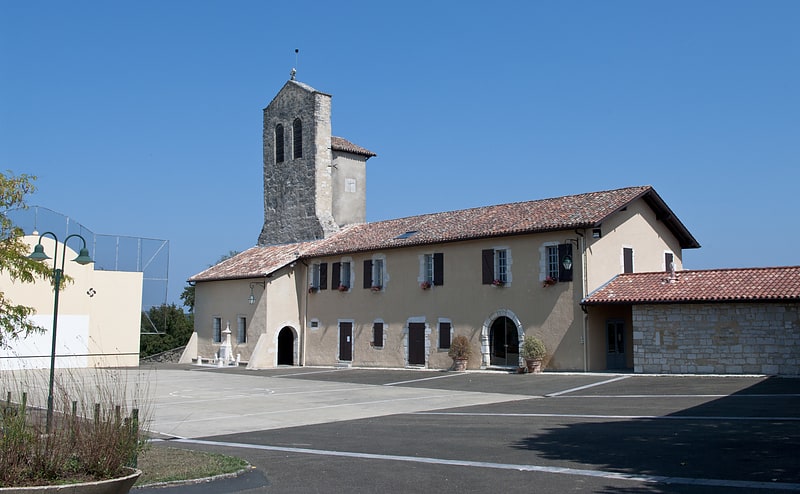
x: 165, y: 464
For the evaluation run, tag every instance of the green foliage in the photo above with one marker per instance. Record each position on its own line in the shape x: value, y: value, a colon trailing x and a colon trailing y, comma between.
x: 460, y: 348
x: 97, y: 441
x: 14, y: 318
x: 533, y: 348
x: 173, y: 325
x: 188, y: 297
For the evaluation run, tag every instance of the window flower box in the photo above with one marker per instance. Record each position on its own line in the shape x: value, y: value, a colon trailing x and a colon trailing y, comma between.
x: 376, y: 288
x: 343, y: 288
x: 549, y: 281
x: 425, y: 285
x: 499, y: 283
x: 313, y: 289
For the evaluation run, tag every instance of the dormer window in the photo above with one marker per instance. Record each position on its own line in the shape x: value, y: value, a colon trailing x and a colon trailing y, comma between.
x: 297, y: 138
x: 279, y: 143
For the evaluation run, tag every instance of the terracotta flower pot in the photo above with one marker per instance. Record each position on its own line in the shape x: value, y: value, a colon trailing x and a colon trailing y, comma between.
x: 460, y: 364
x: 119, y: 485
x: 534, y: 365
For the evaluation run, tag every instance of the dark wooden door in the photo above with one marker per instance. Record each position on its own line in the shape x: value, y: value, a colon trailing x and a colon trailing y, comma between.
x: 615, y: 341
x: 504, y: 341
x: 416, y: 343
x: 346, y: 341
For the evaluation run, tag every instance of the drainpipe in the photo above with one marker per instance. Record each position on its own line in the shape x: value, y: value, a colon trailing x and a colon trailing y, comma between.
x: 584, y: 285
x: 305, y: 317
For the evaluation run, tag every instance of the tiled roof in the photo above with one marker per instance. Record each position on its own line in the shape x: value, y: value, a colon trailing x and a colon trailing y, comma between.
x: 255, y: 262
x: 339, y: 144
x: 714, y: 285
x: 560, y: 213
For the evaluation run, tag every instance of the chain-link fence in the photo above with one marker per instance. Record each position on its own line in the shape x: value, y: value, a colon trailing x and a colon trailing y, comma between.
x: 148, y: 256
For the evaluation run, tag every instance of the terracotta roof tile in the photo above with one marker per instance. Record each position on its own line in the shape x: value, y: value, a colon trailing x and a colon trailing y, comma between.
x: 255, y: 262
x: 560, y: 213
x: 568, y: 212
x: 339, y: 144
x: 714, y: 285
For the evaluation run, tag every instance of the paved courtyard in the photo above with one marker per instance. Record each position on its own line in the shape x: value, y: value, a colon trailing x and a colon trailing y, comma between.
x: 362, y: 430
x: 367, y: 430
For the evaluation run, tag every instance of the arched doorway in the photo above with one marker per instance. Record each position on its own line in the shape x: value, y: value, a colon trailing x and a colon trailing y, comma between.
x: 504, y: 342
x: 286, y: 346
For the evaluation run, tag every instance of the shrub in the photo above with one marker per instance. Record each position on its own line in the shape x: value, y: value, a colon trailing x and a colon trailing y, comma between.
x: 459, y: 348
x: 533, y: 348
x: 94, y: 435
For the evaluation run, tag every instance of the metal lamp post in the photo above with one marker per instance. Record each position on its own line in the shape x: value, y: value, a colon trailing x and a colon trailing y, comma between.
x: 39, y: 255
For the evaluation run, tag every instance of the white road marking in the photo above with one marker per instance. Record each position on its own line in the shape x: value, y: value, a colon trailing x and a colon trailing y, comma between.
x: 615, y: 417
x: 424, y: 379
x: 740, y: 484
x: 580, y: 388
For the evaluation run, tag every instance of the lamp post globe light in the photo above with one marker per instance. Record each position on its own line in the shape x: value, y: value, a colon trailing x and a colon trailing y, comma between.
x: 39, y: 255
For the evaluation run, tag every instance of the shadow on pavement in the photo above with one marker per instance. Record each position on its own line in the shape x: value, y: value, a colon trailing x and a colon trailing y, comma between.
x: 752, y: 435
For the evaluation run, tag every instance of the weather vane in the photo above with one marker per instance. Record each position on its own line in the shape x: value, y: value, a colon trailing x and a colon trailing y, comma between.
x: 294, y: 69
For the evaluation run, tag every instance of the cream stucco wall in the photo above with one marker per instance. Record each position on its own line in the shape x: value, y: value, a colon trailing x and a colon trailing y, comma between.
x: 101, y: 330
x: 635, y: 227
x: 228, y: 300
x: 551, y: 313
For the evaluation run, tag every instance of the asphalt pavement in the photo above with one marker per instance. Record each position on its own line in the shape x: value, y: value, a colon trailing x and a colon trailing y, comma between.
x: 332, y: 430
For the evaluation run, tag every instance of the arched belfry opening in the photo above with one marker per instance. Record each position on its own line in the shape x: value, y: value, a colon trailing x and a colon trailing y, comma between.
x: 286, y: 346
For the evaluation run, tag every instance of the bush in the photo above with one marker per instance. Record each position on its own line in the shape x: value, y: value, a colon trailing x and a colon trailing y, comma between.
x: 533, y: 348
x: 459, y: 348
x: 93, y: 437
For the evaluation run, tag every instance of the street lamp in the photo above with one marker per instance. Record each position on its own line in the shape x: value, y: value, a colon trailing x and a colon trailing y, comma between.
x: 39, y: 255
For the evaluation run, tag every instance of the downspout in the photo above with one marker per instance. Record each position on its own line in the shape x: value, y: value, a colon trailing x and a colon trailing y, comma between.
x: 584, y: 284
x: 305, y: 319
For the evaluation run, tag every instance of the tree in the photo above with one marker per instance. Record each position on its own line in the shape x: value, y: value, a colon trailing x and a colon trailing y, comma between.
x: 174, y: 329
x: 14, y: 318
x: 188, y: 297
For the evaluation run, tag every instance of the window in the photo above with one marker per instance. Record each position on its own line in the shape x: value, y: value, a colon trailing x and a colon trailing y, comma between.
x: 501, y: 265
x: 297, y: 138
x: 627, y: 260
x: 495, y: 266
x: 433, y: 269
x: 241, y: 329
x: 318, y: 278
x: 374, y: 273
x: 279, y: 143
x: 444, y: 334
x: 669, y: 262
x: 216, y: 323
x: 558, y: 262
x: 377, y: 334
x: 341, y: 276
x: 552, y: 261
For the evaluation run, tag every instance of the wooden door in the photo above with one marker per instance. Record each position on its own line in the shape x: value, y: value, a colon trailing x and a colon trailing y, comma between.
x: 346, y: 341
x: 416, y: 343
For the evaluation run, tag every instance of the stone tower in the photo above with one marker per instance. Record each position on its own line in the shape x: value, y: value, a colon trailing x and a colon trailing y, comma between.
x: 314, y: 183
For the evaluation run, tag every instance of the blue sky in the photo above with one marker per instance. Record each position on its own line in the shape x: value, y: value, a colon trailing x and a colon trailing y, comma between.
x: 144, y: 118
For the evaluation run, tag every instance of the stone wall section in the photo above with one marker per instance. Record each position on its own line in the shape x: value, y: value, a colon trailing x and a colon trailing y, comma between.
x: 731, y: 338
x: 297, y: 191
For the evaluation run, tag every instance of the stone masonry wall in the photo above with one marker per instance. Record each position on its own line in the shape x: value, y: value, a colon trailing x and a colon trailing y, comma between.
x: 717, y: 338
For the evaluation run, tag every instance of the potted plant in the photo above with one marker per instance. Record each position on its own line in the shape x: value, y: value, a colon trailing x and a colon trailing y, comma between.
x: 533, y: 351
x: 460, y: 352
x: 549, y: 281
x: 498, y: 283
x: 425, y: 285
